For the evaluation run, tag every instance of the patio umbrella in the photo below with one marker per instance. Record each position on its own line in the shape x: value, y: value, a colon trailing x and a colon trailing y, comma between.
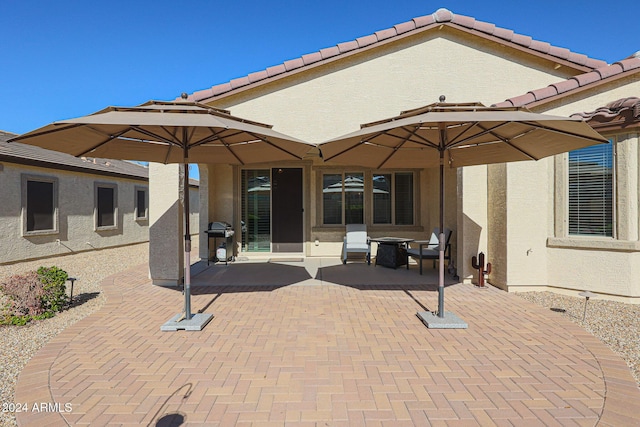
x: 169, y: 132
x: 457, y: 135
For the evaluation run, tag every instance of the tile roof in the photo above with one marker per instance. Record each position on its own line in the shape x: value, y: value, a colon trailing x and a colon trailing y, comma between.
x: 623, y: 112
x: 630, y: 65
x: 416, y: 25
x: 16, y: 152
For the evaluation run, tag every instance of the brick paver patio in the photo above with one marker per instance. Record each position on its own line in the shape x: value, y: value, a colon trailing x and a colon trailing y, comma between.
x: 342, y: 349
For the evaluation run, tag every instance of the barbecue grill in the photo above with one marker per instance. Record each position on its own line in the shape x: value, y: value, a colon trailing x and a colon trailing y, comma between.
x: 220, y: 230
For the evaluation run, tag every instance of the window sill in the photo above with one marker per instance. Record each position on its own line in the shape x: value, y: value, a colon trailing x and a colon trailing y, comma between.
x: 606, y: 244
x: 40, y: 233
x: 107, y: 228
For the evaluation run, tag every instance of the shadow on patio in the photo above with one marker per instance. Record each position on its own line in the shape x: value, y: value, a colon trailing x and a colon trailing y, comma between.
x: 362, y: 276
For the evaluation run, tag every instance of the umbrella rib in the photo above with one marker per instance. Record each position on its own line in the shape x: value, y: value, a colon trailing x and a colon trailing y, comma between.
x: 100, y: 144
x: 398, y: 146
x: 490, y: 131
x: 562, y: 132
x: 423, y: 141
x: 216, y: 135
x: 265, y: 140
x: 508, y: 141
x: 343, y: 151
x: 158, y: 138
x: 46, y: 132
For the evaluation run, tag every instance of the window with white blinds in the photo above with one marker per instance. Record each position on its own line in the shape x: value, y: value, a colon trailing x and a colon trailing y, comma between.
x: 591, y: 190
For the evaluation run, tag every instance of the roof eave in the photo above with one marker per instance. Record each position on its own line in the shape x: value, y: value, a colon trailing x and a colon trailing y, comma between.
x: 227, y: 89
x: 70, y: 168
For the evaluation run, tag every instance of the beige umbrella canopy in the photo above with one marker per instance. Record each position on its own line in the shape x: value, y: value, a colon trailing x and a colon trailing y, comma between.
x: 467, y: 134
x: 457, y: 135
x: 169, y: 132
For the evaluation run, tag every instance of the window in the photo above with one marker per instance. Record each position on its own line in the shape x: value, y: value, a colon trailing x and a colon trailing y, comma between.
x: 591, y: 201
x: 141, y: 212
x: 40, y: 205
x: 256, y: 210
x: 393, y: 198
x: 343, y: 198
x: 106, y: 207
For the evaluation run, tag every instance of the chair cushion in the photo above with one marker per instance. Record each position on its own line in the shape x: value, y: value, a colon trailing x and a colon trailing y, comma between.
x: 427, y: 253
x: 357, y: 246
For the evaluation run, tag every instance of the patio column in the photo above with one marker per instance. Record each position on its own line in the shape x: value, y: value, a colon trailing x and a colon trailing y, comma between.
x: 166, y: 250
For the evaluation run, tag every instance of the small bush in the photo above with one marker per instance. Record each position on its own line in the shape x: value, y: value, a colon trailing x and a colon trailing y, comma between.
x: 54, y: 295
x: 35, y: 295
x: 25, y: 292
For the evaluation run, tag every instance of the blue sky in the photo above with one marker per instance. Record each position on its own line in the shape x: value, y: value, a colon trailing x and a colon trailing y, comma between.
x: 63, y: 59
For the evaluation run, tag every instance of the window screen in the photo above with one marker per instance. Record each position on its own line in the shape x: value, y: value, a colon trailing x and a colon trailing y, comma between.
x: 106, y: 207
x: 591, y: 179
x: 40, y: 206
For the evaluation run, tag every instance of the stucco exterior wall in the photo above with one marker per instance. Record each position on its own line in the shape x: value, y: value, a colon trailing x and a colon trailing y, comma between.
x: 334, y: 99
x: 539, y: 251
x: 76, y: 220
x: 509, y: 212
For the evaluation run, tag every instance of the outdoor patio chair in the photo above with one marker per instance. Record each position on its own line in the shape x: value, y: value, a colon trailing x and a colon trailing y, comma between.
x: 356, y: 240
x: 428, y: 249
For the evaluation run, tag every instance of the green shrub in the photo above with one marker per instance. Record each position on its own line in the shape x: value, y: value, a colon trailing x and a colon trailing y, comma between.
x: 54, y: 295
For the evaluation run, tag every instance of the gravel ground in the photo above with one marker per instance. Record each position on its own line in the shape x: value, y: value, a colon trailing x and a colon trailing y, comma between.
x: 614, y: 323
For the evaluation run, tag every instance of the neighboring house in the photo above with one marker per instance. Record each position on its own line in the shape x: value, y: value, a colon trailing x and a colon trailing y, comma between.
x: 531, y: 219
x: 55, y: 204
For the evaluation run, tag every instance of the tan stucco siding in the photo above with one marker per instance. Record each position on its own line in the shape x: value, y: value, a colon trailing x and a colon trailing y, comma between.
x: 537, y: 245
x: 76, y: 229
x: 332, y: 100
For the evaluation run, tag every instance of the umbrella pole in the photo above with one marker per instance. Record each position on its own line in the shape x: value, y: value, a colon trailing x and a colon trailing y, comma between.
x: 187, y: 245
x: 441, y: 242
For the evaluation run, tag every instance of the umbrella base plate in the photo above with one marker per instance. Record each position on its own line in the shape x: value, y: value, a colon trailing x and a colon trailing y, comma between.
x: 196, y: 323
x: 449, y: 321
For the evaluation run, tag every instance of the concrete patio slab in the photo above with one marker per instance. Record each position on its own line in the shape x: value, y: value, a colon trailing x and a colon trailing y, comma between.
x: 286, y: 347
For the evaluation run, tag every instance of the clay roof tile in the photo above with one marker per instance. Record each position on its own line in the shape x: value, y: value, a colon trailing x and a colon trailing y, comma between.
x: 543, y: 47
x: 503, y: 33
x: 484, y: 27
x: 292, y: 64
x: 630, y: 63
x: 440, y: 16
x: 329, y: 52
x: 221, y: 88
x: 310, y: 58
x: 566, y: 85
x: 609, y: 71
x: 405, y: 27
x: 587, y: 78
x: 276, y: 69
x: 544, y: 92
x: 366, y: 40
x: 423, y: 21
x: 257, y: 76
x: 522, y: 99
x: 386, y: 34
x: 521, y: 40
x: 347, y: 46
x: 239, y: 82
